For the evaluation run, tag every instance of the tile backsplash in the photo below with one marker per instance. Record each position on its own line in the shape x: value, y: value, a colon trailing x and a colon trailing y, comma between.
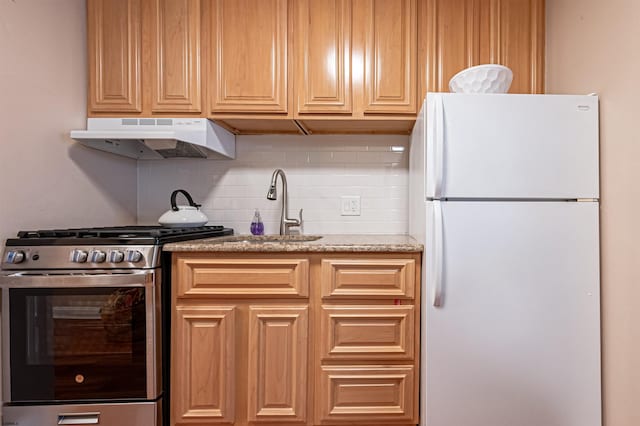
x: 319, y: 169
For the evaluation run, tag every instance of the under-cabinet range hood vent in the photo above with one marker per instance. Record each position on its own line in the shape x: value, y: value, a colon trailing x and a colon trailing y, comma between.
x: 157, y: 138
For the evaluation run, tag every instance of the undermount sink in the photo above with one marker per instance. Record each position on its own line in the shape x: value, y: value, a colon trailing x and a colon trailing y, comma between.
x: 267, y: 239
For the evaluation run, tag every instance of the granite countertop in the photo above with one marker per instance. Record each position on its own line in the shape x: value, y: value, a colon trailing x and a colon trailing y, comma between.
x: 313, y: 243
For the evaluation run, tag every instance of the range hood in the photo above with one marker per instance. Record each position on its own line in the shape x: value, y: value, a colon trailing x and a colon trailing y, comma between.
x: 157, y: 138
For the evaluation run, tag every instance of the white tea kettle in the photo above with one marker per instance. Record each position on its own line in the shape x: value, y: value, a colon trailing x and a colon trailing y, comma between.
x: 183, y: 216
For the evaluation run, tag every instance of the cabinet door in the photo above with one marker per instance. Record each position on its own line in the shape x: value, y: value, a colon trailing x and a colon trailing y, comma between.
x: 114, y: 39
x: 248, y: 54
x: 202, y: 379
x: 457, y: 34
x: 259, y: 276
x: 449, y: 32
x: 361, y: 332
x: 368, y: 278
x: 390, y: 56
x: 360, y: 394
x: 175, y: 53
x: 324, y: 56
x: 277, y: 364
x: 516, y: 31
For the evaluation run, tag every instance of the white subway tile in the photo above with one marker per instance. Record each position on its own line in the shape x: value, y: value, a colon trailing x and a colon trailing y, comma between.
x: 319, y: 170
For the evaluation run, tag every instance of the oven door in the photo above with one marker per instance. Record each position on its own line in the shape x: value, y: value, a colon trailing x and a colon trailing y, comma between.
x: 80, y: 337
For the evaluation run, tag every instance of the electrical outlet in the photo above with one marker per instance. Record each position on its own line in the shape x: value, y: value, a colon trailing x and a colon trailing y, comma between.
x: 350, y: 205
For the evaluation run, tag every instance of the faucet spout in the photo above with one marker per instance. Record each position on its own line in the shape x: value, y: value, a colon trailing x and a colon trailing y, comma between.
x: 272, y: 194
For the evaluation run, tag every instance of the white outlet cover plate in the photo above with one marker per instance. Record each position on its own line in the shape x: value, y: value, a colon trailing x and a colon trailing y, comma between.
x: 350, y: 205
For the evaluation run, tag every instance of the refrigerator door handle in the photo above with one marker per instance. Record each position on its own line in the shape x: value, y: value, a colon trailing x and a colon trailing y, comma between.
x: 438, y: 139
x: 438, y: 253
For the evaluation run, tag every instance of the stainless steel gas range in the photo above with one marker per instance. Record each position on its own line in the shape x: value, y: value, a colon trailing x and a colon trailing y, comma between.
x: 85, y: 325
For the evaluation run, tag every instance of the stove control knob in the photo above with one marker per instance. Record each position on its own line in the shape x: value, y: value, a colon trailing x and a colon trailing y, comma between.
x: 15, y: 256
x: 134, y: 256
x: 97, y: 256
x: 79, y: 256
x: 116, y: 256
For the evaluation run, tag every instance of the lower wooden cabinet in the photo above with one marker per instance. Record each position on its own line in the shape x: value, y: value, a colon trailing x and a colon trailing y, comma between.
x: 248, y: 355
x: 367, y: 332
x: 278, y: 363
x: 269, y: 368
x: 203, y: 361
x: 365, y: 393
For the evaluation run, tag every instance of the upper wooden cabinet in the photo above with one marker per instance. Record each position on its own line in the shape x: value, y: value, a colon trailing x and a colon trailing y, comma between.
x: 301, y: 66
x: 456, y: 34
x: 175, y: 56
x: 249, y: 56
x: 356, y: 65
x: 390, y: 56
x: 145, y: 57
x: 516, y: 28
x: 114, y: 42
x: 323, y: 35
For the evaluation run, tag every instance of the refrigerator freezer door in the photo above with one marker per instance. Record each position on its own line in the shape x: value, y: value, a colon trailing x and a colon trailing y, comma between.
x: 515, y: 339
x: 511, y: 146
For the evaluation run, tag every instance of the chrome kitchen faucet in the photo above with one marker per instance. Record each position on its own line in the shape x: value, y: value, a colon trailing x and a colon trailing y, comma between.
x: 285, y: 222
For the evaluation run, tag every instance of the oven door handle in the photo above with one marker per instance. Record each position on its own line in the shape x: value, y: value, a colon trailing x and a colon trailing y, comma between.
x: 78, y: 418
x: 51, y: 279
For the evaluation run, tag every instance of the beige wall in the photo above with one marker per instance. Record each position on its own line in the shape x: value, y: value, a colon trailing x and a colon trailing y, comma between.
x: 594, y: 46
x: 45, y: 179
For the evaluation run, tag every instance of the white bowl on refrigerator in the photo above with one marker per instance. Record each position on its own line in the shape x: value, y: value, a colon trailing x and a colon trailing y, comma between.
x: 488, y: 78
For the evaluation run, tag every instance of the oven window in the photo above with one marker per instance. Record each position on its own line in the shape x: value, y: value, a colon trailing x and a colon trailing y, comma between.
x: 77, y: 344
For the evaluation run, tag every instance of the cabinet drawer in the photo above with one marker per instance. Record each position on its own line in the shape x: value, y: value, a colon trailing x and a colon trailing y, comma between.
x: 378, y: 278
x: 367, y: 332
x: 363, y: 393
x: 242, y: 277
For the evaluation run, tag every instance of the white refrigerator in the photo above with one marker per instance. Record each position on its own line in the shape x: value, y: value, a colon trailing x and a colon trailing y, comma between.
x: 504, y: 195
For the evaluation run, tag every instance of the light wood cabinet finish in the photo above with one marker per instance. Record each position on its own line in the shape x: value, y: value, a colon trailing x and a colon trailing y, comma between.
x: 323, y: 33
x: 301, y: 66
x: 114, y: 42
x: 366, y: 332
x: 360, y: 75
x: 361, y: 393
x: 175, y: 52
x: 203, y: 364
x: 268, y: 352
x: 278, y: 344
x: 386, y: 278
x: 248, y: 55
x: 390, y: 56
x: 517, y: 41
x: 202, y: 276
x: 456, y: 34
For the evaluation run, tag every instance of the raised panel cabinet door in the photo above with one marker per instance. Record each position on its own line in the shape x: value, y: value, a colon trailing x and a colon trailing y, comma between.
x: 175, y: 54
x: 457, y: 34
x: 449, y: 33
x: 368, y: 278
x: 356, y: 393
x: 324, y: 56
x: 390, y: 56
x: 248, y: 54
x: 202, y: 366
x: 263, y: 276
x: 517, y: 40
x: 367, y: 332
x: 278, y: 364
x: 114, y: 43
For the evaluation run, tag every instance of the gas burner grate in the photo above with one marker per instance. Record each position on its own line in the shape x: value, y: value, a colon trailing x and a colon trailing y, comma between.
x: 116, y: 231
x: 117, y: 235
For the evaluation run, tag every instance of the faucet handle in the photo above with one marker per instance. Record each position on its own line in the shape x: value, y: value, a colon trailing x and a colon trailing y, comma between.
x: 300, y: 222
x: 290, y: 223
